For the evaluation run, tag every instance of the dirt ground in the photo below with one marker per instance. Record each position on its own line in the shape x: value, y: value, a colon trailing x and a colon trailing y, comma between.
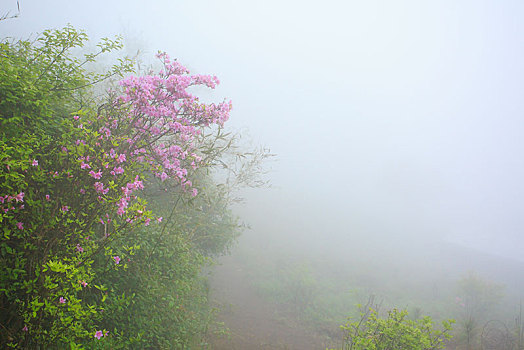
x: 253, y: 322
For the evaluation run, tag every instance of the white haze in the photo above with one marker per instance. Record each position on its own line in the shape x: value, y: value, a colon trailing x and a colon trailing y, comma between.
x: 392, y: 121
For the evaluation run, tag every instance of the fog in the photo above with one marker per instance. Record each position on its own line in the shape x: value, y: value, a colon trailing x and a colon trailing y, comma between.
x: 403, y: 119
x: 396, y: 126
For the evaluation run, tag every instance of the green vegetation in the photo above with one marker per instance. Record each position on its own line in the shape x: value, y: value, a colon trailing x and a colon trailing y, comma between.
x: 395, y: 332
x: 110, y: 207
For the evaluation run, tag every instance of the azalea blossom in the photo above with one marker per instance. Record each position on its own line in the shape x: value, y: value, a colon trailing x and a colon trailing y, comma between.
x: 99, y: 334
x: 99, y: 187
x: 35, y: 162
x: 96, y: 175
x: 117, y: 259
x: 62, y: 300
x: 20, y: 225
x: 84, y: 165
x: 20, y: 197
x: 118, y: 170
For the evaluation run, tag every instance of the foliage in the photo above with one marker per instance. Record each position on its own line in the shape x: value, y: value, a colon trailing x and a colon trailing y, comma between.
x: 85, y: 260
x: 396, y: 331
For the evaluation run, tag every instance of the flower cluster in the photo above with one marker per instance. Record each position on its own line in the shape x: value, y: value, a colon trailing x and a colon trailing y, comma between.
x: 7, y: 202
x: 156, y: 122
x: 167, y: 118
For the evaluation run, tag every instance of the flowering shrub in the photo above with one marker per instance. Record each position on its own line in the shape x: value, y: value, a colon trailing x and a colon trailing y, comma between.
x: 74, y: 173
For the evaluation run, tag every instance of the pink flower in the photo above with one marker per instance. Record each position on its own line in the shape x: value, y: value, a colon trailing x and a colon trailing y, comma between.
x: 47, y: 197
x: 35, y: 162
x: 138, y: 183
x: 118, y: 171
x: 99, y: 334
x: 64, y: 208
x: 64, y: 149
x: 121, y: 158
x: 76, y: 117
x: 82, y: 191
x: 99, y: 187
x: 62, y: 300
x: 20, y: 197
x: 117, y: 259
x: 85, y: 166
x: 159, y: 219
x: 83, y: 283
x: 25, y: 329
x: 20, y: 225
x: 96, y: 175
x: 79, y: 248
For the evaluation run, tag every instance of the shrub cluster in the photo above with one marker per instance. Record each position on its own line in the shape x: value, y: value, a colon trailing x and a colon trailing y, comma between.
x: 108, y: 210
x: 394, y: 332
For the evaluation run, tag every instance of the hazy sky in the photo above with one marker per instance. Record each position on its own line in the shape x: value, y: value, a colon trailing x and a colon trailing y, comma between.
x: 389, y: 118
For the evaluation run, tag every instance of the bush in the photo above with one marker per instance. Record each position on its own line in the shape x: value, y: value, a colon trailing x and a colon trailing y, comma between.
x: 106, y: 219
x: 396, y: 332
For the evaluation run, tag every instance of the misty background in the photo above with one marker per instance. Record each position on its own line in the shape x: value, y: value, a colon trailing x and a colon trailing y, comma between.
x: 395, y: 124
